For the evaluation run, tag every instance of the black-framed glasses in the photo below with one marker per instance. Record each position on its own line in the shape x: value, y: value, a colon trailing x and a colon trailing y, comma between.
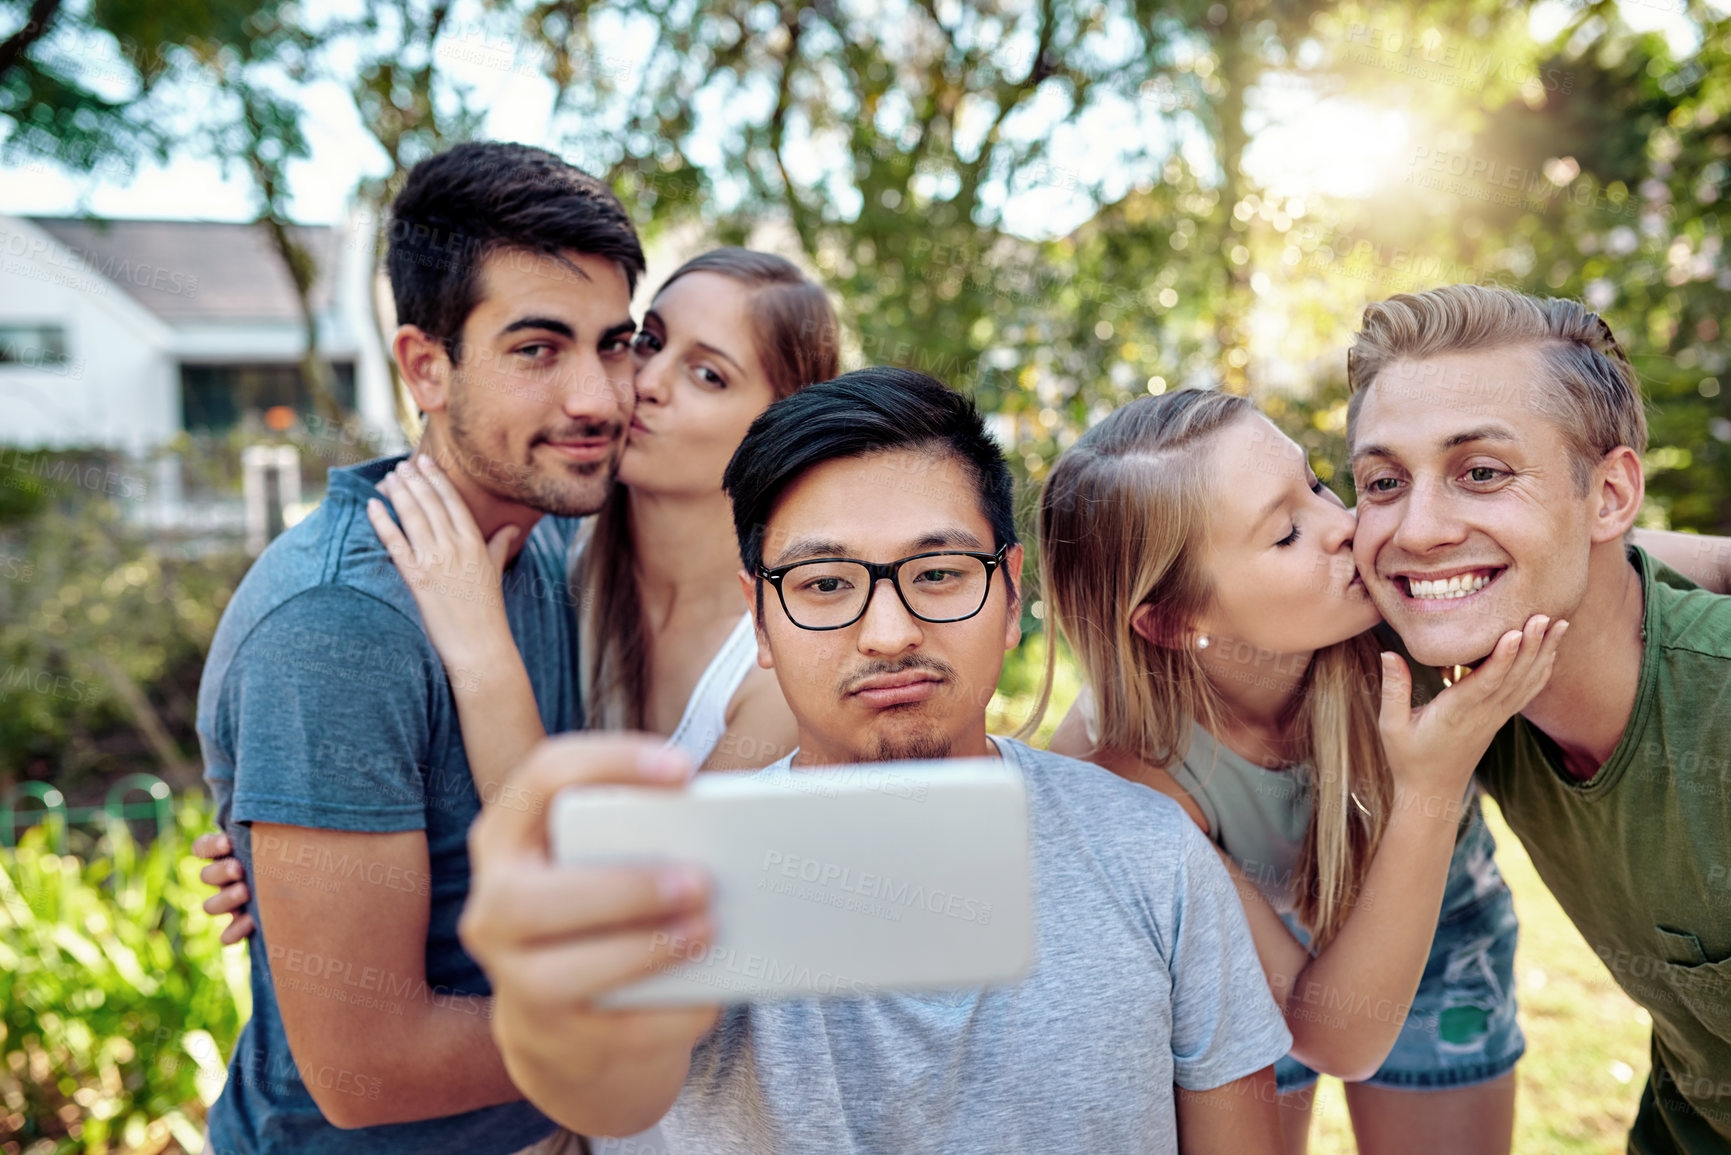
x: 832, y: 593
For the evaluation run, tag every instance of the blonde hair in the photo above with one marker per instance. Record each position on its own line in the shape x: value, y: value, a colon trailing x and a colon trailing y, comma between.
x: 1124, y: 522
x: 1597, y: 395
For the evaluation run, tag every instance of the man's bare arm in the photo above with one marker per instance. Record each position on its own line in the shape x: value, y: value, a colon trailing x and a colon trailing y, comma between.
x: 344, y: 918
x: 1702, y: 558
x: 1237, y: 1118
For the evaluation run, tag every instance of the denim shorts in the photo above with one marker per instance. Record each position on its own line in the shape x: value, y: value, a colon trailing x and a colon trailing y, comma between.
x: 1462, y: 1028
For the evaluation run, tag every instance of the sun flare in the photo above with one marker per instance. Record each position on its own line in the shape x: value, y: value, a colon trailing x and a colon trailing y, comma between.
x: 1335, y: 147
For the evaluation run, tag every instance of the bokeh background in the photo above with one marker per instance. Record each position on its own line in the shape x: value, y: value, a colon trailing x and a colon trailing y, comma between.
x: 1054, y: 206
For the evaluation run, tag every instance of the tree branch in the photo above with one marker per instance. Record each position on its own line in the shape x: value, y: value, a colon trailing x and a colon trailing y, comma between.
x: 147, y: 721
x: 804, y: 216
x: 42, y: 13
x: 1009, y: 97
x: 937, y: 84
x: 297, y: 260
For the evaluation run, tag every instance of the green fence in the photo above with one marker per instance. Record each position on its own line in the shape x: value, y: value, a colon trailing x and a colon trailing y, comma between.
x: 53, y: 814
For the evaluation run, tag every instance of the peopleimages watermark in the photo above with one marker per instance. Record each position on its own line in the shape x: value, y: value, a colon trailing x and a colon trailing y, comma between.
x: 1361, y: 259
x: 1688, y: 771
x: 389, y: 776
x: 749, y: 749
x: 323, y: 990
x: 877, y: 895
x: 962, y: 264
x: 1472, y: 176
x: 366, y: 987
x: 38, y: 681
x: 827, y: 782
x: 1719, y: 878
x: 1333, y: 998
x: 727, y: 969
x: 1462, y: 64
x: 75, y: 265
x: 477, y: 44
x: 44, y: 469
x: 325, y: 866
x: 280, y: 1072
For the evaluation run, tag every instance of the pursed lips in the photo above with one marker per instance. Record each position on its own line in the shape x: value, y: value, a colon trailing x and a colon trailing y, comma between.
x: 897, y: 689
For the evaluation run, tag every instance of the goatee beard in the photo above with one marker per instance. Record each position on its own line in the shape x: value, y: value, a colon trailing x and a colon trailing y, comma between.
x: 919, y: 747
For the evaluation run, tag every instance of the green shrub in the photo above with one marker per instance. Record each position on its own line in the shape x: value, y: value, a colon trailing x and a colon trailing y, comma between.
x: 119, y: 1002
x: 104, y: 626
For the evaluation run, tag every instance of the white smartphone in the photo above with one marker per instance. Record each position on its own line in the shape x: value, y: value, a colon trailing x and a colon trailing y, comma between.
x: 844, y: 881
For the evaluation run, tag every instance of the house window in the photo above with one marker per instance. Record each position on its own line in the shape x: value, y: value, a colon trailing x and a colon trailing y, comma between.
x: 216, y: 398
x: 32, y: 346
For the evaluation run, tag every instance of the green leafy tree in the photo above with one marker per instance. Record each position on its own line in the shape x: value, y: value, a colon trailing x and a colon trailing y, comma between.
x: 888, y: 140
x: 407, y: 104
x: 1638, y: 231
x: 79, y: 84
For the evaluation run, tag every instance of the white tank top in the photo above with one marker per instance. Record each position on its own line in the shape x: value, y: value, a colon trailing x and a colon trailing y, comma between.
x: 705, y: 719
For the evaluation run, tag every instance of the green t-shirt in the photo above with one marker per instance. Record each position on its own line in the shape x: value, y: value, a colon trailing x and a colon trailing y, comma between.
x: 1640, y: 855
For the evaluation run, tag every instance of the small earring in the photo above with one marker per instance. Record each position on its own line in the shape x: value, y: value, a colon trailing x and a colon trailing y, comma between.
x: 1202, y: 641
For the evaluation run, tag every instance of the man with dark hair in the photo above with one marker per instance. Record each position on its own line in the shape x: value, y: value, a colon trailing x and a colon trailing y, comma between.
x: 328, y: 725
x: 874, y: 415
x: 874, y: 516
x: 471, y: 228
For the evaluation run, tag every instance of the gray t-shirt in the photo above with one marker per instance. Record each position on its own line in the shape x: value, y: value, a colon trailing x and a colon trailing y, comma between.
x: 1144, y: 977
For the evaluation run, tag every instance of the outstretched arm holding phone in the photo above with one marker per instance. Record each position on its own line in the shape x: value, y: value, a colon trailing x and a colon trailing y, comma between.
x: 554, y: 937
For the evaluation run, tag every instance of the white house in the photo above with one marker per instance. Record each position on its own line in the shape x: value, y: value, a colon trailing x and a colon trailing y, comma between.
x: 124, y: 333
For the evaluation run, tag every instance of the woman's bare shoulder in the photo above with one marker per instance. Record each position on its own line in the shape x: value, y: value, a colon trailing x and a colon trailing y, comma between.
x: 1071, y: 740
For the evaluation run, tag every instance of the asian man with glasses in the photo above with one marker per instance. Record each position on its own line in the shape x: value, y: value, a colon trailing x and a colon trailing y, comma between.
x: 1145, y: 1024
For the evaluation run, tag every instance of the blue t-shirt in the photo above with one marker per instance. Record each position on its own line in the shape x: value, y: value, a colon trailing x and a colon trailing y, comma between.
x: 1145, y: 978
x: 324, y: 705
